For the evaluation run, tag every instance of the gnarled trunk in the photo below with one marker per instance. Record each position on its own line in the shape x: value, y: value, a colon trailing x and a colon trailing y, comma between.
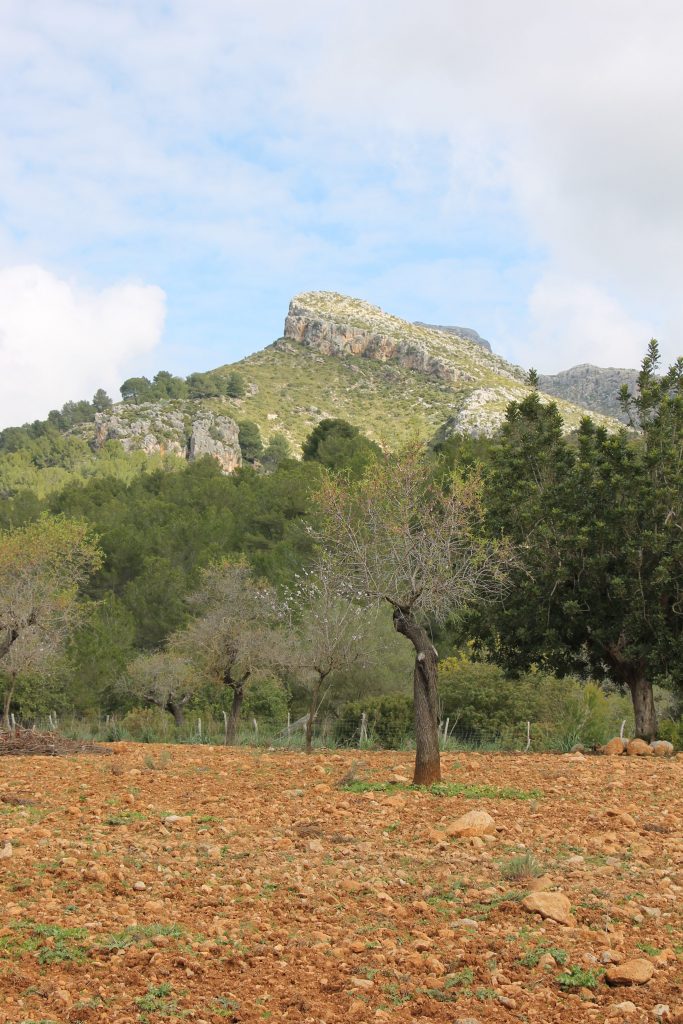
x: 178, y: 712
x: 425, y: 700
x: 643, y: 708
x: 233, y: 717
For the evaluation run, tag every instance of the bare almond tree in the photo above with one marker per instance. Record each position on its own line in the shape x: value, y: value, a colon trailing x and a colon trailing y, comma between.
x: 398, y: 535
x: 232, y: 638
x: 42, y: 566
x: 326, y: 634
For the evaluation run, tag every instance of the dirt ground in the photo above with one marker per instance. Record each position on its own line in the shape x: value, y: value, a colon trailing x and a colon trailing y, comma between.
x: 216, y: 884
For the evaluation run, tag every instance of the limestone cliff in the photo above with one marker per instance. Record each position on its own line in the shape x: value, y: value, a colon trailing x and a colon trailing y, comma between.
x: 187, y: 431
x: 336, y: 325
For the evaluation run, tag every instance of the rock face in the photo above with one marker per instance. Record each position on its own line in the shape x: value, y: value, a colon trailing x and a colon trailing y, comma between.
x: 591, y: 386
x: 156, y: 429
x: 217, y: 436
x: 337, y: 325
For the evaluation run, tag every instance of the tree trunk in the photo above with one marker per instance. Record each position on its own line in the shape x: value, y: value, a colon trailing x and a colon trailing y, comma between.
x: 233, y: 717
x: 7, y: 706
x: 178, y: 712
x: 643, y: 708
x: 425, y: 700
x: 312, y: 710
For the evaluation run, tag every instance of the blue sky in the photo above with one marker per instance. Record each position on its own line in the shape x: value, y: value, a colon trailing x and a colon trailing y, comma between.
x: 171, y: 173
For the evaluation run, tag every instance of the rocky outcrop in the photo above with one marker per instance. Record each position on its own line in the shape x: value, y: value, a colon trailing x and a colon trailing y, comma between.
x: 594, y: 387
x: 337, y: 325
x: 459, y: 332
x: 157, y: 430
x: 217, y: 436
x: 332, y: 338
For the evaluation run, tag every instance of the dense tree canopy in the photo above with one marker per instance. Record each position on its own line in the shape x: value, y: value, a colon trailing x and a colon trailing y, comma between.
x: 599, y: 590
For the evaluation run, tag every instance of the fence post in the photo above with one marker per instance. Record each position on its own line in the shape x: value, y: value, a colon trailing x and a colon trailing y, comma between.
x: 363, y: 728
x: 255, y: 727
x: 621, y: 731
x: 289, y: 724
x: 225, y: 726
x: 528, y: 736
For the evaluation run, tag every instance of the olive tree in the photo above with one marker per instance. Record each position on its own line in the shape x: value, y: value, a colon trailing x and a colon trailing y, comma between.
x: 42, y: 566
x: 401, y: 536
x: 164, y: 679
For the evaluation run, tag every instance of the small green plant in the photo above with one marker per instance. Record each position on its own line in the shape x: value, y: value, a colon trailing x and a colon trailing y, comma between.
x: 445, y: 789
x: 140, y: 933
x: 155, y: 1000
x: 531, y: 958
x: 225, y: 1007
x: 579, y: 977
x: 649, y: 949
x: 523, y: 866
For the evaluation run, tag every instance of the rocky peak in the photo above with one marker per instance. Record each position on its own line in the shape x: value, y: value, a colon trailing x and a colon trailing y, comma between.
x: 337, y: 325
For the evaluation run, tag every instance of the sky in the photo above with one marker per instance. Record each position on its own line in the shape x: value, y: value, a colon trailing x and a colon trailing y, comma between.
x: 172, y: 172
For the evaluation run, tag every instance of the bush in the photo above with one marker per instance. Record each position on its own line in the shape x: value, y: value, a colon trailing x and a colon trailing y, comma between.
x: 481, y: 702
x: 672, y: 730
x: 390, y: 721
x: 266, y: 701
x: 149, y: 725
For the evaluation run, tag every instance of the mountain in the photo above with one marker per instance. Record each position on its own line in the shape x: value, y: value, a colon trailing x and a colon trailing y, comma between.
x: 461, y: 332
x: 341, y: 357
x: 595, y: 388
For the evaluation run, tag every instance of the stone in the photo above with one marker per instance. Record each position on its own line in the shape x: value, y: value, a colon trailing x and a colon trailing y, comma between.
x: 474, y: 823
x: 554, y: 906
x: 6, y: 851
x: 614, y: 747
x: 139, y: 886
x: 631, y: 972
x: 661, y: 1010
x: 662, y: 748
x: 638, y: 748
x: 626, y: 1007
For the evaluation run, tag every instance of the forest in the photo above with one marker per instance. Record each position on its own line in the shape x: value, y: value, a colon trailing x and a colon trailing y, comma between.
x: 525, y: 589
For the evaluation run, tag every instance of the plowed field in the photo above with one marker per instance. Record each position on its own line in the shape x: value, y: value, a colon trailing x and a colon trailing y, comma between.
x: 212, y: 884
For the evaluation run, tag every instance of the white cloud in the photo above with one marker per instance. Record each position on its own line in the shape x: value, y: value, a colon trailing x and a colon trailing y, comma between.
x: 348, y: 142
x: 573, y: 320
x: 59, y: 342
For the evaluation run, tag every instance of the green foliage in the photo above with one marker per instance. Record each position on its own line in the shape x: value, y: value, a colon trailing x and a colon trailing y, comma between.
x: 251, y: 444
x: 234, y: 385
x: 524, y: 865
x: 149, y: 725
x: 580, y: 977
x: 276, y: 451
x: 340, y: 447
x: 672, y: 731
x: 390, y: 721
x: 597, y: 522
x: 266, y: 700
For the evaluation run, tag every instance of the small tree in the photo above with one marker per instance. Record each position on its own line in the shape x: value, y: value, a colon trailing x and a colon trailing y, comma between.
x: 395, y: 536
x: 232, y: 637
x: 234, y: 385
x: 327, y: 634
x: 42, y: 566
x: 251, y: 444
x: 163, y: 679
